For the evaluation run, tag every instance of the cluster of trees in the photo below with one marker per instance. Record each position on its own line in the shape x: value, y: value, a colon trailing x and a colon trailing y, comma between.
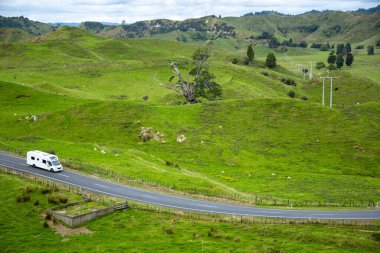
x: 274, y: 42
x: 270, y: 61
x: 322, y: 47
x: 343, y: 56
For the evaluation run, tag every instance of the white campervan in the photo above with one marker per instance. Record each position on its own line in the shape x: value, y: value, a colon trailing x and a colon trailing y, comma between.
x: 43, y: 160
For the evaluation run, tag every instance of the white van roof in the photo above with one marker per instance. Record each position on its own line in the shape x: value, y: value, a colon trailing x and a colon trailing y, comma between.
x: 41, y: 153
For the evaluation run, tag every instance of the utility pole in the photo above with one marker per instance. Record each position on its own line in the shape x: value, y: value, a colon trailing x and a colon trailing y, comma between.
x: 323, y: 89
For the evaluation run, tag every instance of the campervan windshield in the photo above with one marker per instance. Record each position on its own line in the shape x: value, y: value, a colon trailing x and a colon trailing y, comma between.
x: 55, y: 161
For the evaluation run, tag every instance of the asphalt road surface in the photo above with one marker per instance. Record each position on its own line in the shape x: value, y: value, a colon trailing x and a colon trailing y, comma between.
x: 97, y: 185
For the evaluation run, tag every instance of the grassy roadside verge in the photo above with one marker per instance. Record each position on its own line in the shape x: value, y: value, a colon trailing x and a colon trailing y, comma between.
x: 142, y: 231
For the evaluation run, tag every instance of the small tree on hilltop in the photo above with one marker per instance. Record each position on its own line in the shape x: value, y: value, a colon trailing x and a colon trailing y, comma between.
x: 250, y: 53
x: 349, y: 59
x: 339, y: 61
x: 271, y: 61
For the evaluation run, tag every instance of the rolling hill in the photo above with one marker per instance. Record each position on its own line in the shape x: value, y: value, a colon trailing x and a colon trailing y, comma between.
x: 87, y: 93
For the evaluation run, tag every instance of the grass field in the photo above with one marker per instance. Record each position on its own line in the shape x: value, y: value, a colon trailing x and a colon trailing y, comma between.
x: 144, y: 231
x: 87, y: 93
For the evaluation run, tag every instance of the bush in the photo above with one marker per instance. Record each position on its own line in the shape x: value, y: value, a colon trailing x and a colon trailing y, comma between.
x: 235, y: 61
x: 265, y: 73
x: 46, y: 191
x: 36, y: 203
x: 28, y: 189
x: 52, y: 199
x: 145, y: 98
x: 23, y: 198
x: 290, y: 82
x: 292, y: 93
x: 169, y: 230
x: 320, y: 65
x: 63, y: 199
x: 48, y: 216
x: 304, y: 98
x: 359, y: 47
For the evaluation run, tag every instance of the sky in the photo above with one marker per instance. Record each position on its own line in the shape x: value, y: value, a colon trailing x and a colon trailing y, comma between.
x: 134, y: 10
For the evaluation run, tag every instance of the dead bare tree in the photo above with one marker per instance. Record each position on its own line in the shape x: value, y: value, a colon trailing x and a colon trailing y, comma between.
x: 200, y: 78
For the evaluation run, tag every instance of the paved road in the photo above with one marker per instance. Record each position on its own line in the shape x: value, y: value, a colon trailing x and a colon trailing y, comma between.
x: 103, y: 187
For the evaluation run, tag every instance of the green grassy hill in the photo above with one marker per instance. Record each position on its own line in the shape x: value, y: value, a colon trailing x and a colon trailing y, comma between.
x: 321, y: 27
x: 13, y: 35
x: 32, y: 27
x: 87, y: 94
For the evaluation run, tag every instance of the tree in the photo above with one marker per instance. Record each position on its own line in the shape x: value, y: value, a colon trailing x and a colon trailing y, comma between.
x: 339, y: 49
x: 339, y: 61
x: 370, y: 50
x: 349, y: 59
x: 271, y: 61
x: 199, y: 81
x: 250, y: 53
x: 332, y: 58
x: 348, y: 48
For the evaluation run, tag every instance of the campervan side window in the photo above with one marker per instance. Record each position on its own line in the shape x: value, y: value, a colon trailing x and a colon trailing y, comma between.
x: 32, y: 157
x: 44, y: 161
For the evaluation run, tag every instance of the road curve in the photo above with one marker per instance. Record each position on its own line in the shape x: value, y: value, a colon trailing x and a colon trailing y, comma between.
x: 104, y: 187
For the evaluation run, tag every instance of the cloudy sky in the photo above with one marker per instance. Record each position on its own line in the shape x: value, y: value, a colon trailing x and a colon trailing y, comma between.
x: 134, y: 10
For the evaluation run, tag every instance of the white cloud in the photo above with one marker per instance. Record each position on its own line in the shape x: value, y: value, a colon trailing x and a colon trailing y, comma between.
x: 134, y: 10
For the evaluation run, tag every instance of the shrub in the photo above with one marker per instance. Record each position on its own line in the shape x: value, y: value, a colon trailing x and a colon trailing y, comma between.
x: 36, y: 203
x: 288, y: 81
x: 48, y: 216
x: 169, y: 230
x: 53, y: 199
x: 292, y: 93
x: 62, y: 199
x: 235, y: 61
x: 23, y: 198
x: 304, y: 98
x: 359, y: 47
x: 265, y: 73
x: 145, y: 98
x: 320, y: 65
x: 46, y: 191
x: 28, y: 189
